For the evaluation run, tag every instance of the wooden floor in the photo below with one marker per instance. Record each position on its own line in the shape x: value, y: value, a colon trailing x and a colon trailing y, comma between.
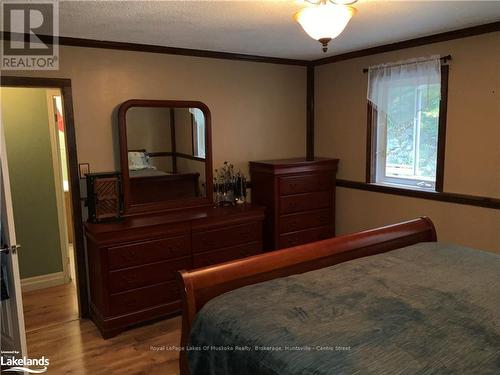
x: 49, y: 306
x: 75, y: 346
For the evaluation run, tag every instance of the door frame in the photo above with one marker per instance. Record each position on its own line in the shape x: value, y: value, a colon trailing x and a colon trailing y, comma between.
x: 64, y: 84
x: 62, y: 217
x: 12, y: 309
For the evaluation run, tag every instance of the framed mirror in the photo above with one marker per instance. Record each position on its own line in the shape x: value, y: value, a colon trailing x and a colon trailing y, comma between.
x: 165, y: 154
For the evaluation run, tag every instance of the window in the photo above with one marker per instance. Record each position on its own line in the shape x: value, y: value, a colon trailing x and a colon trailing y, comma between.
x: 198, y: 132
x: 406, y: 120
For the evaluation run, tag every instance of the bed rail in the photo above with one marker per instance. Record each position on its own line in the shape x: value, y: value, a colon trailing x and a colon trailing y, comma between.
x: 201, y: 285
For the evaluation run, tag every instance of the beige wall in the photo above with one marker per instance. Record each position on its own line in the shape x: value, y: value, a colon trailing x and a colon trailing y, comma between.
x: 258, y: 110
x: 472, y: 163
x: 148, y: 129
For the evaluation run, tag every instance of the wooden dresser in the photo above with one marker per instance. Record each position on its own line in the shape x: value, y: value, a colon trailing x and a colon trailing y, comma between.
x: 300, y: 199
x: 133, y: 263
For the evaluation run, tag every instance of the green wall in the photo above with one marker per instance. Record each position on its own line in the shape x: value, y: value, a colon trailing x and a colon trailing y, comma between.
x: 25, y: 118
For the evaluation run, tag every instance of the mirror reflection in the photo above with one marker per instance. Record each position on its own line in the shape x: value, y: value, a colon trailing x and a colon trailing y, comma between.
x: 166, y: 153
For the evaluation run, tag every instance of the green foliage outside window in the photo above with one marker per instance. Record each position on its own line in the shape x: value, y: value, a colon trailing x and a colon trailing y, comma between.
x: 409, y: 108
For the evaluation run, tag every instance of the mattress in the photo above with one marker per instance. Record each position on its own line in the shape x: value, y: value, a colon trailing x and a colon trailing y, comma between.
x: 430, y: 308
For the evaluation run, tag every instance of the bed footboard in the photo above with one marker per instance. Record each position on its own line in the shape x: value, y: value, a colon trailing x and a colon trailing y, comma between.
x: 201, y: 285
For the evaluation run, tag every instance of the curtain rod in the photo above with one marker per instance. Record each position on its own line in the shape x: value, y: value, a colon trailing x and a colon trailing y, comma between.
x: 444, y: 60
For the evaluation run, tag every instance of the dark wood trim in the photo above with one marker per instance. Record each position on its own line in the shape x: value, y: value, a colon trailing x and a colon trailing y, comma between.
x: 173, y: 143
x: 371, y: 140
x: 15, y: 81
x: 137, y: 47
x: 469, y: 200
x: 435, y: 38
x: 310, y: 113
x: 201, y: 285
x: 69, y: 123
x: 443, y: 115
x: 192, y: 134
x: 190, y: 157
x: 137, y: 209
x: 159, y: 154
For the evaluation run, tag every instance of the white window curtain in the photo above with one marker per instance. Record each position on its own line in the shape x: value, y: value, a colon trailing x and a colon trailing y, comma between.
x: 416, y: 72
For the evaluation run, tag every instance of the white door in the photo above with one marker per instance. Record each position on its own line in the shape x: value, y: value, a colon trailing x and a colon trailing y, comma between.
x: 13, y: 336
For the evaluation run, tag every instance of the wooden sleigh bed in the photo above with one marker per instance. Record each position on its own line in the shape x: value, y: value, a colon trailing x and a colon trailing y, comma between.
x: 202, y: 286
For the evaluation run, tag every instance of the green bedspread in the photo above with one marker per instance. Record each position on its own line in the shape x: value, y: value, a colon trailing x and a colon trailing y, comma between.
x: 430, y: 308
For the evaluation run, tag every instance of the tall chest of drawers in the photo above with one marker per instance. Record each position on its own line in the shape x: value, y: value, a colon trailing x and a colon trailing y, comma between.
x: 300, y: 199
x: 133, y: 264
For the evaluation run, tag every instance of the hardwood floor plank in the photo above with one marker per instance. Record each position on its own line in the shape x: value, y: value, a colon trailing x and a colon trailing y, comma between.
x: 45, y: 307
x: 76, y: 347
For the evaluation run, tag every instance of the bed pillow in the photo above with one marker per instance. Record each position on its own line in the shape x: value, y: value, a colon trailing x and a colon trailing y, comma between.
x: 138, y: 160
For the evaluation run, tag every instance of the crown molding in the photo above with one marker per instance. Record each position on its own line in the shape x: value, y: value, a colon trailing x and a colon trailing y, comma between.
x: 410, y: 43
x: 137, y: 47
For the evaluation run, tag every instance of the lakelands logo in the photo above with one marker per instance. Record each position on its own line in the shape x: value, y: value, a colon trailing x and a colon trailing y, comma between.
x: 31, y: 31
x: 29, y: 365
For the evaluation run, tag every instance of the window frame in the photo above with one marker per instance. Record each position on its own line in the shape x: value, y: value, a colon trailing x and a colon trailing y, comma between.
x: 371, y: 143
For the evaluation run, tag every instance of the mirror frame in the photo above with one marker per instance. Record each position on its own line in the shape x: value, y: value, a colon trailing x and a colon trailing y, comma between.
x: 134, y: 209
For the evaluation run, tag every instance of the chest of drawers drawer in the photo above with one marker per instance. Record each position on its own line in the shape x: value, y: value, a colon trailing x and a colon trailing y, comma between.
x: 305, y: 236
x: 305, y: 202
x: 133, y: 264
x: 304, y: 220
x: 305, y: 183
x: 153, y: 273
x: 227, y: 254
x: 148, y: 251
x: 229, y: 236
x: 131, y: 301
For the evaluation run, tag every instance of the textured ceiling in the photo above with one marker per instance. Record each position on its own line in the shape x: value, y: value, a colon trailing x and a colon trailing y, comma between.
x: 263, y: 27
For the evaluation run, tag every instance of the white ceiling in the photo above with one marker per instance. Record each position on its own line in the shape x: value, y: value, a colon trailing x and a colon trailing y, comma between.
x: 264, y: 27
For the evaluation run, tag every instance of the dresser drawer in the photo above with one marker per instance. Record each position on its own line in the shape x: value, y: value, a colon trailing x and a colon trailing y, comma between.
x: 154, y: 273
x: 231, y: 253
x: 147, y: 252
x: 305, y: 202
x: 228, y: 236
x: 142, y: 298
x: 305, y: 183
x: 309, y: 219
x: 304, y: 236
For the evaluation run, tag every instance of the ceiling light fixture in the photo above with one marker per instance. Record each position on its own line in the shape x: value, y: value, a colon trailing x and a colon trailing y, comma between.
x: 326, y: 19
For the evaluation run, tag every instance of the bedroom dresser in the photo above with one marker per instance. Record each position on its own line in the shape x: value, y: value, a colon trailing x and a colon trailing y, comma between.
x: 170, y: 222
x: 300, y: 199
x: 133, y: 263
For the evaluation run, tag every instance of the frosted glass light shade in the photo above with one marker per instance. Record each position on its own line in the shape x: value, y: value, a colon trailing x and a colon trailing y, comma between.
x: 324, y: 22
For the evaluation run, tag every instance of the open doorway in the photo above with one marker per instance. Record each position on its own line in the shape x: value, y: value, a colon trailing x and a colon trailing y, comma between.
x: 36, y: 145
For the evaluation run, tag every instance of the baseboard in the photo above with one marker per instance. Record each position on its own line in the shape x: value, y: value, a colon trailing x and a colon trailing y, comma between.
x: 41, y: 282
